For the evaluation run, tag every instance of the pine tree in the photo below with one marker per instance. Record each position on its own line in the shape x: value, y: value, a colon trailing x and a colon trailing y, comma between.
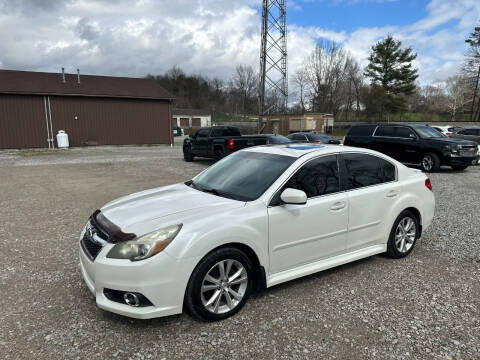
x: 473, y: 62
x: 390, y: 67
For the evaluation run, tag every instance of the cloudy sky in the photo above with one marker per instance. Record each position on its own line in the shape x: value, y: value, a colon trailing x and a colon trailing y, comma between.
x: 137, y: 37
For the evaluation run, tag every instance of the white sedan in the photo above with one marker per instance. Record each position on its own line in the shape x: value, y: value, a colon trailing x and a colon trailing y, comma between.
x: 255, y: 219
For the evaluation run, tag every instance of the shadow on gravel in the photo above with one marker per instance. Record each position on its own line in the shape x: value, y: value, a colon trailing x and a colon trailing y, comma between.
x: 320, y: 275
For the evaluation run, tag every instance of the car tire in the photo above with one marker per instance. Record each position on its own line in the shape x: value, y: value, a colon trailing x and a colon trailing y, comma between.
x: 403, y: 236
x: 430, y: 162
x: 459, y: 168
x: 211, y: 297
x: 187, y: 154
x: 219, y: 153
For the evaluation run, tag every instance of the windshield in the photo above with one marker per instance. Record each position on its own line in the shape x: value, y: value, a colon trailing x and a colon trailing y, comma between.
x: 320, y: 137
x: 278, y: 139
x: 428, y: 132
x: 243, y: 175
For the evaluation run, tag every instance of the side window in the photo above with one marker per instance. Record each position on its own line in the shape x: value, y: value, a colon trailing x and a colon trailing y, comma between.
x: 468, y: 132
x: 202, y: 133
x: 404, y: 132
x: 366, y: 170
x: 385, y: 131
x: 218, y: 132
x: 317, y: 177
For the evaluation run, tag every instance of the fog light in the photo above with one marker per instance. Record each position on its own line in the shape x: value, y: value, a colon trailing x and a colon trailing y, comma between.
x: 131, y: 299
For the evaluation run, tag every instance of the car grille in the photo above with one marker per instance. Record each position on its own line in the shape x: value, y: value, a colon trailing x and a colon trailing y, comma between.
x: 89, y: 245
x: 467, y: 150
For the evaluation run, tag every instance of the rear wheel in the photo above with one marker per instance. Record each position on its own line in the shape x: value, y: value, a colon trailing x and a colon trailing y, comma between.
x: 187, y: 154
x: 430, y: 162
x: 460, y: 168
x: 220, y: 285
x: 404, y: 234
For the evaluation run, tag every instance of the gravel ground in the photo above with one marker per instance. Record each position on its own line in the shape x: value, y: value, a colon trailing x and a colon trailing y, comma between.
x: 424, y: 306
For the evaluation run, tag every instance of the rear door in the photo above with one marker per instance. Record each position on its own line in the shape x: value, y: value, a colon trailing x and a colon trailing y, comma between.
x: 384, y: 140
x: 199, y: 146
x: 299, y: 234
x: 371, y: 189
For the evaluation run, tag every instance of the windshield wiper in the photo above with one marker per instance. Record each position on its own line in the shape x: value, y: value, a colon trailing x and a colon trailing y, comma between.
x: 213, y: 191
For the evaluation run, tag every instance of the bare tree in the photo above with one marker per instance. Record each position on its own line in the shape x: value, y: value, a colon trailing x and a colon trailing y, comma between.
x: 300, y: 83
x: 456, y: 89
x: 327, y: 72
x: 245, y: 83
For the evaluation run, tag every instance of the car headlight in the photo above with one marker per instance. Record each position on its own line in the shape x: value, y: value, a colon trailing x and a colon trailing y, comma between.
x: 453, y: 148
x: 146, y: 245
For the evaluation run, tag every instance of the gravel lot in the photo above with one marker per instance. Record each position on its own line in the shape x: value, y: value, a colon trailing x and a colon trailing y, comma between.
x: 424, y: 306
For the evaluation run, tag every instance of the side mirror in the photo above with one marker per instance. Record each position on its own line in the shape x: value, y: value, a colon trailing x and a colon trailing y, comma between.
x: 293, y: 196
x: 412, y: 137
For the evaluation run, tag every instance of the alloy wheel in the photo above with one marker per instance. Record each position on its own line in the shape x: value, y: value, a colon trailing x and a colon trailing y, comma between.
x: 427, y: 162
x: 405, y: 234
x: 224, y: 286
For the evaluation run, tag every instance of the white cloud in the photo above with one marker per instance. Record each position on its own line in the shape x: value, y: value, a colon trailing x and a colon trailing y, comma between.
x: 133, y: 38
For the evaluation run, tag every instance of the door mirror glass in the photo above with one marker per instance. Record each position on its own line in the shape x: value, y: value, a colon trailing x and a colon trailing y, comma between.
x: 293, y: 196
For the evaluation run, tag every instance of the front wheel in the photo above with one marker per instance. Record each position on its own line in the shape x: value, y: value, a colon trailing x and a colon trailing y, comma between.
x: 187, y: 154
x: 220, y: 285
x: 430, y: 162
x: 459, y: 168
x: 404, y: 234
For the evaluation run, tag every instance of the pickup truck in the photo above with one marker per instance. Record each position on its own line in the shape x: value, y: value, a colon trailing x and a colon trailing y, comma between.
x: 217, y: 142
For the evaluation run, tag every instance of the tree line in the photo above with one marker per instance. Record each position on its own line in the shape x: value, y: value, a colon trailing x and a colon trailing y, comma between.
x: 330, y: 80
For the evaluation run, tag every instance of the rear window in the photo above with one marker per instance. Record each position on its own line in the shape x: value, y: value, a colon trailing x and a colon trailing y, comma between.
x: 221, y: 131
x: 361, y: 130
x: 367, y: 170
x: 385, y: 131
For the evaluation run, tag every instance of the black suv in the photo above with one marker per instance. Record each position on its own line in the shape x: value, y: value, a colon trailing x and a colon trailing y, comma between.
x: 414, y: 144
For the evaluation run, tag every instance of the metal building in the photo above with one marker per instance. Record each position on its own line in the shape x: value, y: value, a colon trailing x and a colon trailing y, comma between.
x: 93, y: 110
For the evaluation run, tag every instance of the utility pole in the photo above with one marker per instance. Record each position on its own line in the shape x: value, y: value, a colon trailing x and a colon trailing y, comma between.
x: 273, y: 58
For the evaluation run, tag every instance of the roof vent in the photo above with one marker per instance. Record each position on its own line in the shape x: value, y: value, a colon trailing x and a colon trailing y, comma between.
x: 63, y: 74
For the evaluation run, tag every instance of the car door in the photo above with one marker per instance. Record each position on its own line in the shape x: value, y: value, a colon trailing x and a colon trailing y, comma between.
x: 371, y: 189
x: 384, y: 140
x: 299, y: 234
x: 200, y: 143
x: 407, y: 149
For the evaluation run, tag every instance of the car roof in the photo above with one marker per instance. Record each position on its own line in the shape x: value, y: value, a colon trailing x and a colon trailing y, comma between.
x: 300, y: 149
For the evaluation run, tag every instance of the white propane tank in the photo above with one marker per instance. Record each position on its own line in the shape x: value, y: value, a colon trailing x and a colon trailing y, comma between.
x: 62, y: 139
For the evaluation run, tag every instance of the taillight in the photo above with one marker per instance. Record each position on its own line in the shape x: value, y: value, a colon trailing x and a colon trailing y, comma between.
x: 428, y: 184
x: 448, y: 133
x: 343, y: 140
x: 230, y: 144
x: 268, y: 142
x: 316, y: 142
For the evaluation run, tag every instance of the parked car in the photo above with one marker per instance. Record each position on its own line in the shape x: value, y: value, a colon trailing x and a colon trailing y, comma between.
x: 313, y: 137
x: 177, y: 131
x: 275, y: 139
x: 217, y: 142
x: 257, y: 218
x: 445, y: 130
x: 471, y: 133
x: 414, y: 144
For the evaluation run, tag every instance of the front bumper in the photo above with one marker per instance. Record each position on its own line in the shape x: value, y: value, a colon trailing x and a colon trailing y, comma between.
x: 161, y: 278
x: 456, y: 160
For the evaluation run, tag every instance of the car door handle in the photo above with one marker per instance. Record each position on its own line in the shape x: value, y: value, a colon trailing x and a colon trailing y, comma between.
x: 392, y: 193
x: 338, y: 206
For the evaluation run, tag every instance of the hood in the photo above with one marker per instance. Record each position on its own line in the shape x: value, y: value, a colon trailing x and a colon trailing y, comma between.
x: 451, y: 140
x: 145, y: 211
